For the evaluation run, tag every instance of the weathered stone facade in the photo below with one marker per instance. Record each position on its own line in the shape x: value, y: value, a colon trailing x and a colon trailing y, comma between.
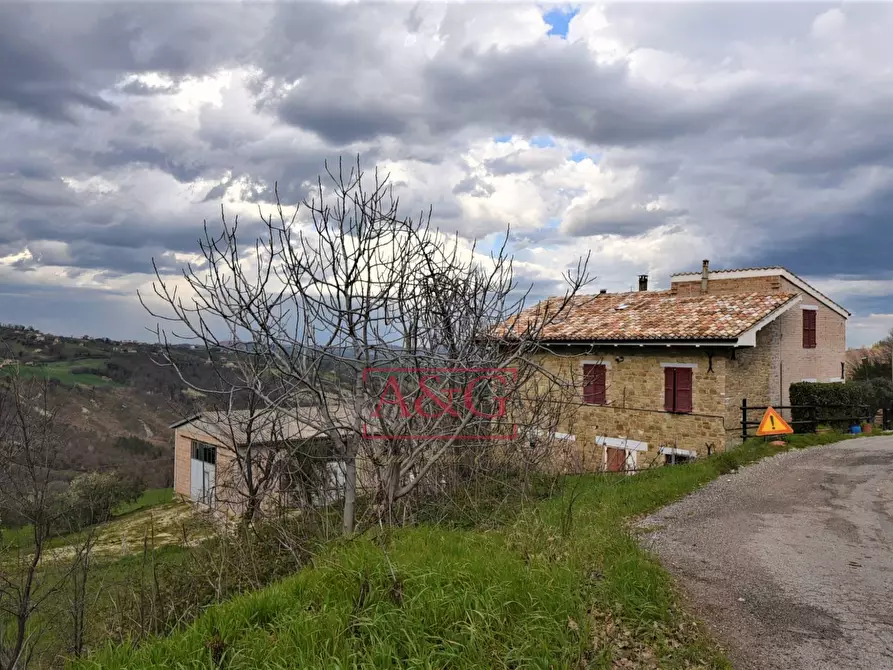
x: 635, y: 400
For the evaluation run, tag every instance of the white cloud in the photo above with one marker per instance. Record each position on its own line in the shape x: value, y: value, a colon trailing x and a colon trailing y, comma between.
x: 653, y: 136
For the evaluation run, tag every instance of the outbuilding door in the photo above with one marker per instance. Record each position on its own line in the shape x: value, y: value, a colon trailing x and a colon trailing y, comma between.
x: 203, y: 472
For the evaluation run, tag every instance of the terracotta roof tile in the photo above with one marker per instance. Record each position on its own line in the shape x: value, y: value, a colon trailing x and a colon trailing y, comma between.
x: 653, y: 315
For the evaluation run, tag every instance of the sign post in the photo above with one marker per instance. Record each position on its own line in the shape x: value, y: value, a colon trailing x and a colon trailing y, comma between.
x: 773, y: 424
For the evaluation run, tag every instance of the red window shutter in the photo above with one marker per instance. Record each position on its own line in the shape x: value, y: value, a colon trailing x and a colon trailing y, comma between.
x: 669, y: 389
x: 599, y: 382
x: 809, y: 328
x: 589, y: 384
x: 812, y: 327
x: 683, y: 390
x: 806, y: 328
x: 594, y: 384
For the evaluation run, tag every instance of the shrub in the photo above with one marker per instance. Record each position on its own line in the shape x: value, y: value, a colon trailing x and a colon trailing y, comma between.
x: 91, y: 497
x: 838, y: 405
x: 876, y: 393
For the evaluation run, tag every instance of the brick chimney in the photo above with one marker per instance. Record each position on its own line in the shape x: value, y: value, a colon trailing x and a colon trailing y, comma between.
x: 643, y: 282
x: 705, y: 272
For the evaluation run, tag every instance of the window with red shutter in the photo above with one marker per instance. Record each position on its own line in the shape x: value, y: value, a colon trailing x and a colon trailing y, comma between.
x: 809, y: 328
x: 683, y: 389
x: 669, y: 389
x: 594, y: 384
x: 678, y: 389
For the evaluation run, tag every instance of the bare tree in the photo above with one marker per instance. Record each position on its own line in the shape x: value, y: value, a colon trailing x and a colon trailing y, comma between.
x: 30, y: 445
x: 392, y: 340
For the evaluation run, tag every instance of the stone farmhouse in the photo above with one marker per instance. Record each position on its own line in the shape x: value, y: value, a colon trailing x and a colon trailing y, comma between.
x: 662, y: 374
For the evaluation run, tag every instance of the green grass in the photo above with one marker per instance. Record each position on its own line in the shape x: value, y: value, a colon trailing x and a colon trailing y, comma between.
x: 62, y: 371
x: 564, y: 585
x: 21, y: 538
x: 150, y: 498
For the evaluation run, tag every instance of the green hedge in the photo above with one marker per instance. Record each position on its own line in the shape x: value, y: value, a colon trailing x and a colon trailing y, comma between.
x: 838, y: 405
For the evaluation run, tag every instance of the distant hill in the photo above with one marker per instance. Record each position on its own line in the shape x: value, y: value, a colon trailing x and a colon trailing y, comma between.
x: 114, y: 398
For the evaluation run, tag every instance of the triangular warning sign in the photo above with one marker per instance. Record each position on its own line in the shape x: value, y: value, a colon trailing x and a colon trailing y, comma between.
x: 773, y: 424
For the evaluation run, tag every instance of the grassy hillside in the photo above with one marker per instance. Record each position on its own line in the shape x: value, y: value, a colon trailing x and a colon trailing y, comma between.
x: 118, y: 565
x: 21, y: 538
x: 564, y: 585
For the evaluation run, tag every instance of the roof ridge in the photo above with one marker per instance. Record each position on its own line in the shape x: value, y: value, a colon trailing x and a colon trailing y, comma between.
x: 764, y: 267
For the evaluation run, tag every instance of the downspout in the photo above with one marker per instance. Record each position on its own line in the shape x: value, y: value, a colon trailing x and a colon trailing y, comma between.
x: 781, y: 383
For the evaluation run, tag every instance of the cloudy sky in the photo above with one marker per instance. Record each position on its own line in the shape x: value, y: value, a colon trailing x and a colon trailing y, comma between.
x: 654, y: 135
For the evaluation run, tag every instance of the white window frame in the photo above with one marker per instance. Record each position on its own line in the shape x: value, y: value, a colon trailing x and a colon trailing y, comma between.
x: 630, y: 447
x: 677, y: 452
x: 553, y: 436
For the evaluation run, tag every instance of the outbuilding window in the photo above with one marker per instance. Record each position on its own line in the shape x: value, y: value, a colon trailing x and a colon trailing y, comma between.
x: 809, y: 328
x: 678, y: 389
x: 206, y: 453
x: 594, y: 384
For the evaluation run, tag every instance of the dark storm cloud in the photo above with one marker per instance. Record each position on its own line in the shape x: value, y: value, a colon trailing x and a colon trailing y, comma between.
x: 58, y: 57
x: 35, y: 193
x: 860, y: 247
x: 122, y: 153
x: 338, y: 120
x: 33, y: 82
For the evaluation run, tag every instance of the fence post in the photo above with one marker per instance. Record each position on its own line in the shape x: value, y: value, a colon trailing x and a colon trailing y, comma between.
x: 815, y: 419
x: 743, y: 419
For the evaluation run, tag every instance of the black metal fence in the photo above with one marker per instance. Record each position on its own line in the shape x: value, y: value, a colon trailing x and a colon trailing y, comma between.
x: 809, y: 416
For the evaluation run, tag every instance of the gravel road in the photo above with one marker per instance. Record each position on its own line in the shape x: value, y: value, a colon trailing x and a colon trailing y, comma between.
x: 790, y: 560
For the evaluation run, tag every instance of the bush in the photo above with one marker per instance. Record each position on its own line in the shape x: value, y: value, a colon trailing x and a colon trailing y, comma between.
x: 876, y: 393
x: 838, y: 405
x: 91, y: 497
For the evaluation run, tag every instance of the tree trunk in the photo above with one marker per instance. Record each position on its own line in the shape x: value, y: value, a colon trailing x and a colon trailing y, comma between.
x: 350, y: 493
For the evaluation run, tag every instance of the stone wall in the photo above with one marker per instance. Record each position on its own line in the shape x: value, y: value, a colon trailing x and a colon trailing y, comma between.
x: 635, y: 400
x: 822, y: 363
x: 229, y: 491
x: 753, y: 374
x: 183, y: 438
